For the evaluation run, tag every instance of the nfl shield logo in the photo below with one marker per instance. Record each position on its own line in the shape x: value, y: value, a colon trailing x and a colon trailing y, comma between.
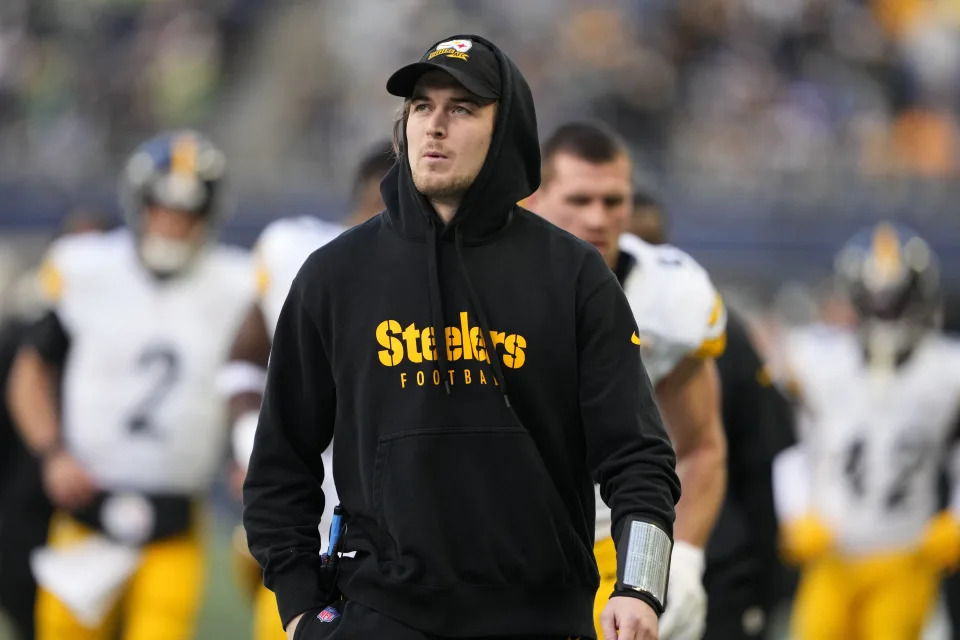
x: 328, y: 615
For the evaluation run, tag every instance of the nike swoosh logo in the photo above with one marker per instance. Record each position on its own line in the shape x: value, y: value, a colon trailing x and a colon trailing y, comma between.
x: 635, y: 339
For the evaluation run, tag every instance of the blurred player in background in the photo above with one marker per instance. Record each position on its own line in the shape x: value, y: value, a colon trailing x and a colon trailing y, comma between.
x: 587, y: 190
x: 24, y: 508
x: 744, y: 578
x: 140, y: 322
x: 648, y: 220
x: 279, y: 252
x: 858, y: 496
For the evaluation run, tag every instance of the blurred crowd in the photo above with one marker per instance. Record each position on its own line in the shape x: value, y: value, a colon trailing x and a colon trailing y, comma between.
x: 80, y: 82
x: 730, y: 89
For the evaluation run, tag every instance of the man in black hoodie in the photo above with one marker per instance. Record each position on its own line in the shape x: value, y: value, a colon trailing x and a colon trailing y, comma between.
x: 465, y: 466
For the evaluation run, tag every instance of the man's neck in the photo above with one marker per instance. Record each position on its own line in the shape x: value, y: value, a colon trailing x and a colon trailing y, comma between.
x: 446, y: 209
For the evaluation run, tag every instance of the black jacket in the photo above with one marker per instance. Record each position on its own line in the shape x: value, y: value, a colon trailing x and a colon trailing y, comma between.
x: 468, y: 483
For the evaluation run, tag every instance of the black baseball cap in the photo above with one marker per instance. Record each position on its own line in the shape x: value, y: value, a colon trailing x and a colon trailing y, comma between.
x: 471, y: 63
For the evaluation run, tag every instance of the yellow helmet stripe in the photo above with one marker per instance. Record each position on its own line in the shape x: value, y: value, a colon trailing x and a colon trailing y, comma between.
x: 886, y: 251
x: 183, y: 155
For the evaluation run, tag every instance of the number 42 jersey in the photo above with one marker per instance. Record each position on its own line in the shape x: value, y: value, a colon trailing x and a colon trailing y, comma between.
x: 140, y: 408
x: 875, y: 440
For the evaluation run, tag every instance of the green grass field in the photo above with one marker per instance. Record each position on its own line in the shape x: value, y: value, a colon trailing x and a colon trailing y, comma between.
x: 226, y: 614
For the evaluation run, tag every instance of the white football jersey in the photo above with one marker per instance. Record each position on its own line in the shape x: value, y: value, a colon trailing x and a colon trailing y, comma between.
x: 678, y: 314
x: 140, y: 408
x: 677, y: 309
x: 875, y: 440
x: 279, y: 253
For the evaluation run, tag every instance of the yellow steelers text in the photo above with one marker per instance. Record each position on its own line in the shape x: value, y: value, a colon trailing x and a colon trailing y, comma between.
x: 416, y: 345
x: 450, y: 53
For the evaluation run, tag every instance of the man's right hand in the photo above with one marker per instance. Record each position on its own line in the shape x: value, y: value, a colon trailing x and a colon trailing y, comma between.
x: 292, y: 627
x: 66, y: 482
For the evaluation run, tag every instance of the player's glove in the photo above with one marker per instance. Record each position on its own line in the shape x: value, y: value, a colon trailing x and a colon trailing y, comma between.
x: 805, y: 539
x: 940, y: 544
x: 685, y: 617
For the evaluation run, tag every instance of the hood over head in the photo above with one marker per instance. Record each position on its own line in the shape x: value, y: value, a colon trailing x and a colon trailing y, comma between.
x: 511, y: 171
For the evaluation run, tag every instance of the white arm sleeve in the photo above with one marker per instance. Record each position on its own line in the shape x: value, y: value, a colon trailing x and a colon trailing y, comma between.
x: 791, y: 483
x: 244, y: 432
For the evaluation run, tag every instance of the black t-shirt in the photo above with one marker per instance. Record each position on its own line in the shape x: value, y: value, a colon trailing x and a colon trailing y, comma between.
x: 12, y: 333
x: 758, y: 422
x: 50, y: 339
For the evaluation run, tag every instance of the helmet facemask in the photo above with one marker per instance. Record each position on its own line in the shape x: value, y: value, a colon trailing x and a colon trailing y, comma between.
x: 171, y: 176
x: 893, y: 284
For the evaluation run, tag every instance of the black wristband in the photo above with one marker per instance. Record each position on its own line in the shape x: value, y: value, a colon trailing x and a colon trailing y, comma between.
x: 639, y: 595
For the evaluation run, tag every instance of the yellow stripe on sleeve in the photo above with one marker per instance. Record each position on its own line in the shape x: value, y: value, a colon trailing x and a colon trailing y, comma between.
x: 262, y: 279
x: 712, y: 347
x: 51, y: 281
x: 717, y: 312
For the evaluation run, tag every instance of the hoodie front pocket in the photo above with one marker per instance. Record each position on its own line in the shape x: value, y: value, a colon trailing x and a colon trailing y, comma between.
x: 473, y: 506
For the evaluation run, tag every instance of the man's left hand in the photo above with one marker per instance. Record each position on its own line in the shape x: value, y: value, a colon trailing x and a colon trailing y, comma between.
x: 626, y: 618
x: 685, y: 617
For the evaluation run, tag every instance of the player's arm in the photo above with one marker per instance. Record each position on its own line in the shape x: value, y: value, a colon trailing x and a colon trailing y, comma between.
x: 689, y: 398
x: 30, y: 395
x: 32, y: 398
x: 629, y: 454
x: 242, y: 380
x: 804, y: 535
x: 940, y: 543
x: 282, y: 495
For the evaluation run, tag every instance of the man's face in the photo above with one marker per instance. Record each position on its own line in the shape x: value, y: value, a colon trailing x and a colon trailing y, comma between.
x: 448, y: 135
x: 591, y: 201
x: 171, y: 239
x: 171, y: 224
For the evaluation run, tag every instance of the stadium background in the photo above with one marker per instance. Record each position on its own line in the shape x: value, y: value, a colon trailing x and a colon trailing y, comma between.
x: 771, y: 129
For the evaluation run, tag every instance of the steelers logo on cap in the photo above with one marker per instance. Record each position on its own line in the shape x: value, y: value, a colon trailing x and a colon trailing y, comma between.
x: 452, y: 49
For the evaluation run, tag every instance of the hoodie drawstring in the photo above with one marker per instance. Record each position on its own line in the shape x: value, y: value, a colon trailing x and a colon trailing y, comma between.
x: 481, y: 317
x: 436, y: 304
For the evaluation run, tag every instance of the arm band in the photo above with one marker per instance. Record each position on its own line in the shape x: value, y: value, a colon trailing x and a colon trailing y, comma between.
x: 239, y: 376
x: 643, y: 559
x: 244, y: 432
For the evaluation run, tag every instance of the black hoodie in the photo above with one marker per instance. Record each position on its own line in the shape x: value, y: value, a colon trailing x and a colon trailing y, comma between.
x: 468, y: 479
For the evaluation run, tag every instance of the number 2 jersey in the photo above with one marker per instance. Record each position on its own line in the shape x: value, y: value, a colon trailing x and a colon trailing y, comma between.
x: 678, y: 314
x: 139, y: 406
x: 875, y: 441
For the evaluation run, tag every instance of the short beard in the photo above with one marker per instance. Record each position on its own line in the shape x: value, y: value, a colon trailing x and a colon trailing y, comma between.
x: 448, y: 189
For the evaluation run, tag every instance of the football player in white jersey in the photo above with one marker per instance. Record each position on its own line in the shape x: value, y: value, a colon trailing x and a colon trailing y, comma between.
x: 279, y: 252
x: 140, y: 321
x: 858, y: 497
x: 587, y: 189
